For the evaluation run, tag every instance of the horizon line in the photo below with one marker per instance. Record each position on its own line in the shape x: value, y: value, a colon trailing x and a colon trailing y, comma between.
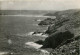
x: 42, y: 10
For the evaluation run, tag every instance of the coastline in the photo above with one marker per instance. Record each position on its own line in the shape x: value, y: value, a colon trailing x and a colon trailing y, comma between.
x: 30, y: 16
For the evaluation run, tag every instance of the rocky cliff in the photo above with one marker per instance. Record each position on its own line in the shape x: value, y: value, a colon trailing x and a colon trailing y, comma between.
x: 65, y: 20
x: 47, y: 21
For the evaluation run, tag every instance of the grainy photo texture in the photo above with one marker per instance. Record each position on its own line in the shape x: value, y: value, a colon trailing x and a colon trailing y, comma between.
x: 39, y: 27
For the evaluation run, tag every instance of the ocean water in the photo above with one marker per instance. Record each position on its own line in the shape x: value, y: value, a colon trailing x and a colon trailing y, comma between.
x: 10, y: 26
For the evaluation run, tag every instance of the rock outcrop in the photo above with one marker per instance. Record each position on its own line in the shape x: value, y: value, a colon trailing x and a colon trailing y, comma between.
x: 71, y: 48
x: 56, y: 39
x: 65, y: 20
x: 63, y: 42
x: 47, y: 21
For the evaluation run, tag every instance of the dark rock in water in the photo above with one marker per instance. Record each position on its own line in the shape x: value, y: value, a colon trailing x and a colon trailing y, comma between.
x: 47, y: 21
x: 37, y: 32
x: 39, y: 42
x: 56, y: 39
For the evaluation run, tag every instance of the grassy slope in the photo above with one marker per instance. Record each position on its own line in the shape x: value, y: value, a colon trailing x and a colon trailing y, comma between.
x: 69, y: 19
x: 73, y: 25
x: 68, y: 49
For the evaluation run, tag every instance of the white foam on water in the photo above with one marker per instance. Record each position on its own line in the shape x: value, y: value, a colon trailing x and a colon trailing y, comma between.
x: 3, y: 53
x: 44, y: 51
x: 26, y: 34
x: 40, y: 35
x: 33, y: 45
x: 39, y: 20
x: 30, y: 33
x: 37, y: 46
x: 45, y: 35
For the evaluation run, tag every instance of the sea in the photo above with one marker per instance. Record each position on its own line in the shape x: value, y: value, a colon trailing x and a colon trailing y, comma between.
x: 16, y: 29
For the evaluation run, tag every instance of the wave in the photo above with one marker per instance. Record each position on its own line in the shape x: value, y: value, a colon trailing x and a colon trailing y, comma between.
x: 4, y: 53
x: 33, y: 45
x: 37, y: 20
x: 38, y: 34
x: 33, y: 34
x: 37, y: 47
x: 28, y: 15
x: 30, y: 33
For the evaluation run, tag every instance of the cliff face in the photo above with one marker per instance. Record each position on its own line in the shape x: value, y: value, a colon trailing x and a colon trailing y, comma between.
x: 56, y: 39
x: 65, y: 21
x: 68, y: 49
x: 47, y: 21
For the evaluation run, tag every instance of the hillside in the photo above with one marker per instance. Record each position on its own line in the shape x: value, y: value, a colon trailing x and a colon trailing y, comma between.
x: 47, y: 21
x: 69, y: 19
x: 65, y: 20
x: 68, y: 49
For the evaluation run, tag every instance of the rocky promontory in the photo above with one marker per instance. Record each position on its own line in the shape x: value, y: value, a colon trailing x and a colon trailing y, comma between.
x: 47, y: 21
x: 65, y: 20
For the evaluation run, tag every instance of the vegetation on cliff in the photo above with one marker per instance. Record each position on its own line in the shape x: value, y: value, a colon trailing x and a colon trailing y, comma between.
x: 56, y: 39
x: 65, y: 20
x: 47, y: 21
x: 71, y: 48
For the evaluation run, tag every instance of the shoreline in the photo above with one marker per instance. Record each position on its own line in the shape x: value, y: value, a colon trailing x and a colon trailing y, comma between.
x: 33, y: 34
x: 31, y: 16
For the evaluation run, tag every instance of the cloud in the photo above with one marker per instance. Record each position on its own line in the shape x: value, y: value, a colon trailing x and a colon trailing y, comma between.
x: 40, y: 4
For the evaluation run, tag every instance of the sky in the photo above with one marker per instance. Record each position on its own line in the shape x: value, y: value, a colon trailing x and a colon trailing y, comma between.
x: 39, y: 4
